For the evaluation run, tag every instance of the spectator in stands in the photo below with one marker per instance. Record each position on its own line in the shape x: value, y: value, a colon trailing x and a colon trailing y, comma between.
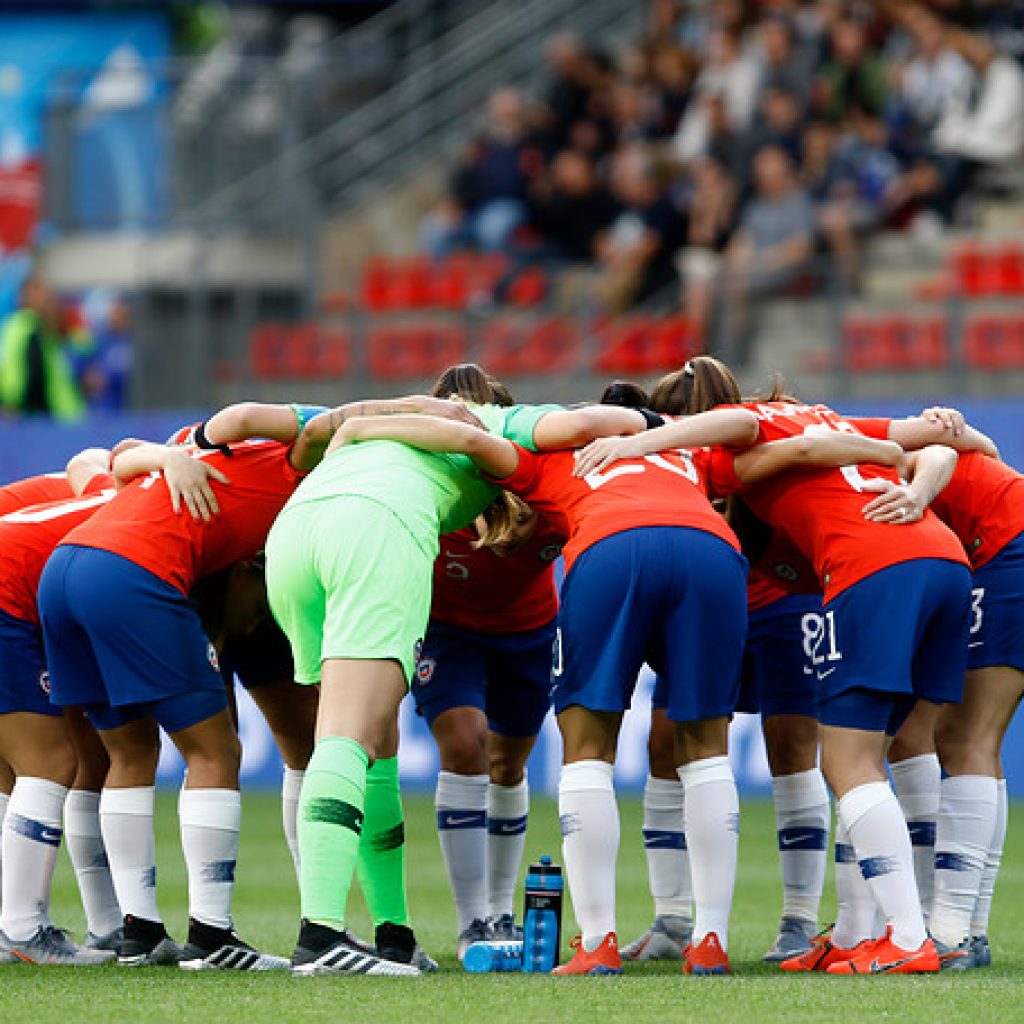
x: 568, y: 95
x: 487, y: 199
x: 733, y: 76
x: 636, y: 253
x: 769, y: 250
x: 986, y: 127
x: 785, y: 66
x: 36, y: 376
x: 779, y: 123
x: 672, y: 76
x: 855, y: 76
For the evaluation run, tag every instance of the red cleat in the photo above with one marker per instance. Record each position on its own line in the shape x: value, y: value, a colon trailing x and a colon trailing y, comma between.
x: 821, y: 954
x: 603, y: 960
x: 883, y: 956
x: 706, y: 958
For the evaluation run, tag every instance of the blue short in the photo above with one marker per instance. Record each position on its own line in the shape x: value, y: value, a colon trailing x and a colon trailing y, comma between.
x: 777, y: 677
x: 901, y: 631
x: 118, y: 636
x: 867, y: 709
x: 24, y: 681
x: 507, y: 676
x: 997, y: 610
x: 670, y: 596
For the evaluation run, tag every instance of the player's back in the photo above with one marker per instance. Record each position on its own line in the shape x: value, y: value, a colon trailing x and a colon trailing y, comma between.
x: 34, y: 490
x: 141, y: 526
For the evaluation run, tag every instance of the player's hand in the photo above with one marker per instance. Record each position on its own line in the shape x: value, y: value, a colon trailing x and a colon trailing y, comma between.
x: 897, y: 503
x: 447, y: 409
x: 603, y: 452
x: 948, y: 419
x: 189, y: 481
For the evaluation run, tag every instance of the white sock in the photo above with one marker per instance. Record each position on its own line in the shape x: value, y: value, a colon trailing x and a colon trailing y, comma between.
x: 5, y: 799
x: 858, y: 917
x: 31, y: 838
x: 461, y: 802
x: 878, y: 832
x: 801, y: 819
x: 88, y: 855
x: 291, y: 786
x: 983, y: 907
x: 916, y: 781
x: 126, y: 820
x: 668, y: 860
x: 967, y: 824
x: 590, y: 845
x: 210, y: 822
x: 712, y: 837
x: 507, y: 809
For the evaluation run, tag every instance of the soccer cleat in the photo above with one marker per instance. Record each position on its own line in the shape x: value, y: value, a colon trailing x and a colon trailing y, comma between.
x: 706, y: 958
x: 397, y: 943
x: 956, y: 958
x: 603, y: 960
x: 111, y: 941
x: 504, y: 928
x: 982, y: 951
x: 323, y: 950
x: 883, y: 956
x: 666, y: 939
x: 794, y: 938
x: 819, y: 956
x: 146, y: 944
x: 477, y: 930
x: 220, y: 949
x: 50, y: 945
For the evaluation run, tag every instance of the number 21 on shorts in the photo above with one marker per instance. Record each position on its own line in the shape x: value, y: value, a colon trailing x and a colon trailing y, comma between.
x: 820, y: 634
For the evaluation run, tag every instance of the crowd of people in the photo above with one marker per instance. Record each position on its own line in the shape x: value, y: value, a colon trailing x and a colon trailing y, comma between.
x: 714, y: 160
x: 333, y: 558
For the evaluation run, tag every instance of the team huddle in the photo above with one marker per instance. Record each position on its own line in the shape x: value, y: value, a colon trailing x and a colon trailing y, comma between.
x: 859, y: 582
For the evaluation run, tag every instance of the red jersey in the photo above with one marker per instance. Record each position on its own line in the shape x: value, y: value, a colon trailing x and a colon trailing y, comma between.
x: 140, y: 525
x: 28, y: 537
x: 34, y: 490
x: 477, y: 589
x: 820, y: 509
x: 668, y: 489
x: 782, y: 570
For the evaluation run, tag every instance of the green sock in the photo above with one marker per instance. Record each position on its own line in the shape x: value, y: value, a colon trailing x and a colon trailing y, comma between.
x: 381, y: 865
x: 329, y: 826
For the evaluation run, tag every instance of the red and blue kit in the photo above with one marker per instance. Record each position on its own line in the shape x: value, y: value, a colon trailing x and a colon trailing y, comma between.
x: 34, y: 490
x: 27, y: 539
x: 122, y: 638
x: 492, y: 626
x: 653, y: 574
x: 896, y: 597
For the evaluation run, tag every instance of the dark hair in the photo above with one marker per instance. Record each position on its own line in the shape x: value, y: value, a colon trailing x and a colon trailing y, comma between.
x: 472, y: 383
x: 701, y: 384
x: 626, y: 394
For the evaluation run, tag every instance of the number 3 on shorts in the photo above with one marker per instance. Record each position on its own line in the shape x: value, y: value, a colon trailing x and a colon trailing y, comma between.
x: 977, y: 611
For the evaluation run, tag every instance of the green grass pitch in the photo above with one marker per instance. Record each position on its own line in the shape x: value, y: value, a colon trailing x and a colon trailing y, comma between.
x: 266, y: 914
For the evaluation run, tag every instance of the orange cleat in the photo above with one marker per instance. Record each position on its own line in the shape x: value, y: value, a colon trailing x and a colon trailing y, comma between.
x: 603, y: 960
x: 706, y: 958
x: 883, y: 956
x: 821, y: 954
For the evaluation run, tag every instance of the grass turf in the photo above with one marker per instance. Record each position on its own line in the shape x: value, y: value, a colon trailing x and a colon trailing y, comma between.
x: 266, y: 914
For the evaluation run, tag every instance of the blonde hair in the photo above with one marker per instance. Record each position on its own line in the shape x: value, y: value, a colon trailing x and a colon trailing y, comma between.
x: 501, y: 518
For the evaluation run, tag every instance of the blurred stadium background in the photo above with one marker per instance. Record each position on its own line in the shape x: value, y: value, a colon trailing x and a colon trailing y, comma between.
x: 206, y: 202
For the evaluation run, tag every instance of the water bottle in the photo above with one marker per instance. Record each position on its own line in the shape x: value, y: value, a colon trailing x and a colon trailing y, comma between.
x: 542, y: 921
x: 491, y: 957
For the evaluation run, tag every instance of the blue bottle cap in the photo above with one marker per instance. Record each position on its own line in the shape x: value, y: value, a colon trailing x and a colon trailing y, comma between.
x: 545, y: 860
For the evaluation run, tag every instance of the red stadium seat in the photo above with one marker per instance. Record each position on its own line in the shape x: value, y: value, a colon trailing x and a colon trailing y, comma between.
x: 516, y: 346
x: 413, y: 350
x: 642, y: 344
x: 375, y: 287
x: 303, y: 351
x: 895, y: 342
x: 993, y: 342
x: 529, y: 288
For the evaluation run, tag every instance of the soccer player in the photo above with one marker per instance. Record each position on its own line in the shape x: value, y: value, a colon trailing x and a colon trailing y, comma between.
x: 656, y: 572
x: 124, y: 641
x: 35, y: 739
x: 354, y: 602
x: 482, y: 685
x: 984, y: 506
x: 911, y: 588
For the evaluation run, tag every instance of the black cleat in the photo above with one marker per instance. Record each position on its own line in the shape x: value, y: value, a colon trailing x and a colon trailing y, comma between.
x: 323, y: 950
x: 220, y: 949
x: 146, y: 943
